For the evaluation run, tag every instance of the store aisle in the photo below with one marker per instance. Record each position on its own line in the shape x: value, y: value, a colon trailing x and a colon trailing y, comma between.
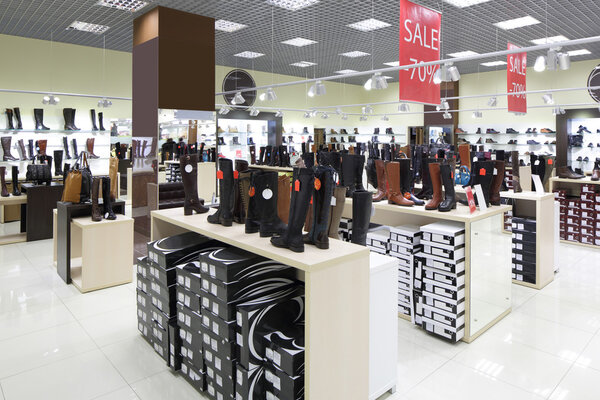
x: 58, y: 344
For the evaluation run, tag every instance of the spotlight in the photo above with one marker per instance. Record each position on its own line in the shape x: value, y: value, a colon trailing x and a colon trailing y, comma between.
x: 548, y: 99
x: 447, y: 115
x: 254, y: 112
x: 437, y: 76
x: 376, y: 82
x: 238, y: 99
x: 540, y: 64
x: 307, y: 114
x: 318, y: 89
x: 338, y: 111
x: 224, y: 110
x: 453, y: 74
x: 404, y: 108
x: 493, y: 102
x: 51, y: 99
x: 363, y: 118
x: 385, y: 118
x: 313, y: 113
x: 477, y: 114
x: 324, y: 115
x: 444, y: 105
x: 555, y: 111
x: 552, y: 60
x: 345, y: 116
x: 367, y: 109
x: 104, y: 103
x: 279, y: 114
x: 564, y: 61
x: 270, y: 95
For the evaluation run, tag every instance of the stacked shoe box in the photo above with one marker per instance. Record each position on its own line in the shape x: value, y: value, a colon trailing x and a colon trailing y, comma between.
x: 144, y: 302
x: 230, y: 276
x: 378, y: 240
x: 443, y: 257
x: 508, y: 178
x: 261, y: 366
x: 163, y: 257
x: 345, y: 228
x: 588, y: 214
x: 561, y: 197
x: 523, y: 250
x: 508, y: 220
x: 573, y: 219
x: 405, y: 245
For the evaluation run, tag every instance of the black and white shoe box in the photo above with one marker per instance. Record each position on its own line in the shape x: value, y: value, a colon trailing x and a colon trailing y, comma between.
x: 524, y: 249
x: 378, y: 240
x: 405, y: 245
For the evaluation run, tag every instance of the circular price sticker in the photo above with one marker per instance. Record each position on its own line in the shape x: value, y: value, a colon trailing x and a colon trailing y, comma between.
x: 189, y: 168
x: 267, y: 194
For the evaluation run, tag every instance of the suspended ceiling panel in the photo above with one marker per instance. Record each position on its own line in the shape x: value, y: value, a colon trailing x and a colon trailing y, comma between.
x: 470, y: 28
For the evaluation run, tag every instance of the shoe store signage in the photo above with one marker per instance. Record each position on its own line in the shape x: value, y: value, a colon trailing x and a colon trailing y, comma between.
x: 419, y: 43
x: 516, y: 80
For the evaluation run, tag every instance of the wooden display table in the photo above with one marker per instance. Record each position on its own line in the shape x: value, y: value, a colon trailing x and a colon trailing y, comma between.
x: 106, y: 248
x: 36, y: 212
x: 10, y: 201
x: 337, y: 302
x: 487, y: 260
x: 540, y: 207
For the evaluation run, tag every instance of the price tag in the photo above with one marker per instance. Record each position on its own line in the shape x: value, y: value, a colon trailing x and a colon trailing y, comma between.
x: 480, y: 198
x: 251, y: 191
x: 297, y: 185
x: 537, y: 182
x: 537, y: 162
x: 267, y: 194
x: 236, y: 174
x: 550, y: 161
x: 482, y: 172
x: 317, y: 184
x: 495, y: 171
x: 333, y: 201
x: 219, y: 174
x: 474, y: 159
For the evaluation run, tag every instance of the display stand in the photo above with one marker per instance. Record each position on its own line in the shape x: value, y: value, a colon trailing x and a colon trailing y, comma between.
x: 487, y: 257
x: 36, y: 212
x: 102, y: 264
x: 10, y: 201
x: 540, y: 207
x: 337, y: 302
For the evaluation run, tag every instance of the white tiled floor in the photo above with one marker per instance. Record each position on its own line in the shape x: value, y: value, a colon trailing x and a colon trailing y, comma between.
x: 58, y: 344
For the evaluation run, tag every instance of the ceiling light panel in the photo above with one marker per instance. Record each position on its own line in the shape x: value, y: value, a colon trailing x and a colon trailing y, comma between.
x: 463, y: 54
x: 303, y: 64
x: 493, y: 63
x: 87, y: 27
x: 465, y: 3
x: 552, y: 39
x: 292, y: 5
x: 368, y: 25
x: 517, y: 23
x: 392, y: 63
x: 581, y: 52
x: 248, y: 54
x: 125, y: 5
x: 345, y: 71
x: 228, y: 26
x: 354, y: 54
x: 299, y: 42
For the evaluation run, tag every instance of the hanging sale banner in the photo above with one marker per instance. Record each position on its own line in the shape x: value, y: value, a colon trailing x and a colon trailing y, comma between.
x: 419, y: 42
x: 516, y: 80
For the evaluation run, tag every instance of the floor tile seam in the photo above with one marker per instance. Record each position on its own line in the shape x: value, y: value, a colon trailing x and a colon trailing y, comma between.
x: 116, y: 369
x: 427, y: 376
x: 114, y: 391
x: 560, y: 381
x: 573, y: 303
x: 561, y: 324
x: 36, y: 331
x: 426, y: 348
x: 2, y: 391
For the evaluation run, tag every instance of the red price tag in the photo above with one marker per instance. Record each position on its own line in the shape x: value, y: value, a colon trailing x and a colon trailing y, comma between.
x: 310, y: 200
x: 219, y: 174
x: 482, y: 172
x: 252, y: 191
x: 297, y: 185
x: 550, y: 161
x: 470, y: 199
x: 317, y: 184
x: 236, y: 174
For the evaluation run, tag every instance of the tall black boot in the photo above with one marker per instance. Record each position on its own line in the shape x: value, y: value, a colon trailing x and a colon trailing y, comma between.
x: 101, y: 121
x: 66, y: 148
x: 427, y: 188
x: 75, y: 152
x: 96, y: 215
x: 361, y: 216
x: 302, y: 190
x: 348, y: 171
x: 22, y: 151
x: 17, y: 112
x: 93, y: 115
x: 485, y: 180
x: 224, y: 214
x: 265, y: 197
x: 9, y: 119
x: 106, y: 204
x: 321, y: 207
x: 58, y: 157
x: 30, y: 149
x: 188, y: 165
x: 360, y: 166
x: 72, y: 119
x: 15, y: 181
x: 38, y: 114
x: 252, y: 223
x: 67, y: 118
x: 449, y: 201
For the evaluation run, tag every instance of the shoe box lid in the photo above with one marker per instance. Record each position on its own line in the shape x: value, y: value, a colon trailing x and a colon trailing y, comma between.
x: 282, y: 385
x: 221, y: 365
x: 223, y: 385
x: 188, y: 276
x: 218, y: 326
x: 225, y: 348
x: 192, y: 355
x: 446, y: 228
x: 194, y: 376
x: 443, y: 264
x: 190, y: 339
x: 228, y: 264
x: 247, y: 379
x: 190, y: 300
x: 189, y: 319
x: 380, y: 233
x: 407, y: 231
x: 451, y: 320
x: 168, y: 251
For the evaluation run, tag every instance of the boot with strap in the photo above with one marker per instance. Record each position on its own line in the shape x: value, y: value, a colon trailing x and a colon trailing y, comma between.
x: 323, y: 191
x: 515, y: 172
x: 283, y: 197
x: 17, y: 112
x: 302, y: 190
x: 449, y: 202
x: 244, y: 180
x: 224, y: 214
x: 238, y: 207
x: 93, y: 116
x: 38, y: 114
x: 58, y: 157
x: 339, y: 194
x: 436, y: 183
x: 96, y: 215
x: 22, y: 151
x: 361, y: 216
x: 3, y: 188
x: 381, y: 182
x: 497, y: 180
x: 188, y: 165
x: 15, y: 181
x: 6, y: 156
x: 106, y: 202
x: 395, y: 195
x: 266, y: 186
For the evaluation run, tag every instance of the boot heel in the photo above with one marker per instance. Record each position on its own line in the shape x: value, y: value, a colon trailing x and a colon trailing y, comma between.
x: 227, y: 222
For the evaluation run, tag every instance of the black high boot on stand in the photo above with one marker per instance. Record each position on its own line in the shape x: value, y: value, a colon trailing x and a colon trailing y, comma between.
x: 302, y: 190
x: 15, y: 181
x: 17, y: 112
x: 93, y: 115
x: 66, y: 148
x: 30, y: 149
x: 360, y: 166
x: 485, y: 180
x: 72, y: 119
x: 261, y: 156
x: 9, y: 119
x: 321, y: 208
x: 75, y: 152
x: 67, y: 118
x: 101, y: 121
x: 427, y: 188
x: 58, y: 157
x: 188, y: 165
x: 38, y: 114
x: 96, y: 215
x: 252, y: 223
x: 449, y: 202
x: 265, y: 197
x: 349, y: 169
x: 224, y: 214
x: 238, y: 206
x: 361, y: 216
x: 106, y: 204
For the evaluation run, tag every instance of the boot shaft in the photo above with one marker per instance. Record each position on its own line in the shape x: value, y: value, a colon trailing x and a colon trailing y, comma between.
x: 9, y: 119
x: 447, y: 181
x: 361, y: 216
x: 405, y: 175
x: 93, y: 116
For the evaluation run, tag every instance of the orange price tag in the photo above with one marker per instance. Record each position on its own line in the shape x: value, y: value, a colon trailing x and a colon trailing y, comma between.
x: 252, y: 191
x: 317, y: 184
x: 297, y: 185
x: 550, y: 161
x: 310, y: 200
x: 482, y: 172
x: 236, y: 174
x: 407, y: 195
x: 219, y: 174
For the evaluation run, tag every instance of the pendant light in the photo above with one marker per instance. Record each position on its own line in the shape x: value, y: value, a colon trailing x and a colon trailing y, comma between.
x: 548, y: 99
x: 317, y: 89
x: 238, y: 99
x: 404, y: 108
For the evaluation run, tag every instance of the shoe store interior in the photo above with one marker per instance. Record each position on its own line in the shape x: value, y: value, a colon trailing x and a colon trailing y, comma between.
x: 299, y: 199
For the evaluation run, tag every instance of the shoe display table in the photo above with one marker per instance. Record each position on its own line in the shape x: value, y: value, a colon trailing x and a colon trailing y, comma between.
x: 487, y: 258
x: 541, y: 208
x: 337, y: 302
x: 104, y: 251
x: 36, y: 213
x: 11, y: 201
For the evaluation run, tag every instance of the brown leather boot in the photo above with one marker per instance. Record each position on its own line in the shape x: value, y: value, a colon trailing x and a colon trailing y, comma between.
x: 395, y: 195
x: 436, y: 182
x: 96, y: 214
x: 89, y: 144
x: 381, y: 182
x: 497, y: 183
x: 283, y: 197
x: 4, y: 189
x: 596, y: 171
x: 40, y: 146
x: 339, y: 193
x: 514, y: 157
x: 464, y: 151
x: 113, y: 170
x: 309, y: 218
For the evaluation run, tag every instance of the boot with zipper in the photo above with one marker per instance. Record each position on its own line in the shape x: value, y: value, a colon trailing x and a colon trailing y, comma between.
x: 497, y: 182
x: 101, y: 121
x: 238, y: 206
x: 66, y: 148
x: 22, y: 151
x: 96, y: 215
x: 38, y: 114
x: 6, y: 156
x: 90, y: 148
x: 30, y: 149
x: 321, y: 208
x: 449, y: 202
x: 4, y: 189
x: 188, y: 165
x: 9, y: 119
x: 15, y: 181
x: 436, y: 183
x: 395, y: 195
x: 515, y: 172
x: 361, y: 216
x: 381, y: 182
x: 302, y: 190
x: 283, y: 197
x: 106, y: 202
x: 75, y: 152
x: 266, y: 187
x: 339, y: 193
x: 224, y: 214
x: 58, y: 157
x: 17, y: 112
x: 93, y: 115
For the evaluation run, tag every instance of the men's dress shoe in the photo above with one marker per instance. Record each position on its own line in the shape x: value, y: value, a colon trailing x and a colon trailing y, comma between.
x: 488, y: 140
x: 579, y: 159
x: 511, y: 130
x: 567, y: 173
x: 586, y: 159
x: 492, y: 131
x: 546, y: 130
x: 528, y: 130
x: 532, y: 142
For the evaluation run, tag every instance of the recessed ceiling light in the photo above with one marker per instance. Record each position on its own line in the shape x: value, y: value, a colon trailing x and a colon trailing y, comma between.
x: 392, y: 63
x: 368, y: 25
x: 354, y: 54
x: 228, y: 26
x: 248, y: 54
x: 345, y: 71
x: 87, y: 27
x: 493, y: 63
x: 517, y: 23
x: 299, y: 42
x: 581, y: 52
x: 303, y: 64
x: 125, y: 5
x: 292, y: 5
x: 463, y: 54
x: 552, y: 39
x: 465, y: 3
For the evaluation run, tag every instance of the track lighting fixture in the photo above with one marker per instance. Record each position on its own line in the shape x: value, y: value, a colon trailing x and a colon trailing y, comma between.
x: 447, y: 115
x: 307, y: 114
x: 344, y: 116
x: 453, y: 73
x: 385, y: 118
x: 437, y: 76
x: 553, y: 60
x: 367, y: 110
x: 268, y: 95
x: 313, y: 113
x: 363, y: 118
x: 564, y: 61
x: 404, y: 108
x: 104, y: 103
x: 224, y: 110
x: 446, y: 73
x: 376, y: 82
x: 318, y: 89
x: 492, y: 102
x: 548, y: 99
x: 540, y: 64
x: 444, y: 105
x: 477, y: 114
x: 238, y: 99
x: 279, y: 114
x: 254, y: 112
x: 324, y: 115
x: 558, y: 111
x: 51, y: 99
x: 338, y: 111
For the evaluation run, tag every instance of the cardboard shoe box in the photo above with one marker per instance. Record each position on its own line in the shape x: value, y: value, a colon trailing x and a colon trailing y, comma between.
x: 222, y: 365
x: 447, y: 291
x: 407, y: 234
x: 225, y: 348
x: 444, y: 232
x: 174, y: 347
x: 163, y: 297
x: 142, y: 267
x: 223, y: 385
x: 160, y: 317
x: 523, y: 256
x: 524, y: 224
x: 193, y: 356
x: 190, y: 340
x: 523, y: 276
x: 218, y: 326
x: 445, y: 277
x: 447, y: 252
x: 191, y: 300
x: 188, y: 319
x: 285, y: 349
x: 142, y: 283
x: 454, y: 267
x: 168, y: 251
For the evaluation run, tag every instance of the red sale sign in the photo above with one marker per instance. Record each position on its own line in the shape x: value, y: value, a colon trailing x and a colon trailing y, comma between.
x: 516, y: 80
x: 419, y: 43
